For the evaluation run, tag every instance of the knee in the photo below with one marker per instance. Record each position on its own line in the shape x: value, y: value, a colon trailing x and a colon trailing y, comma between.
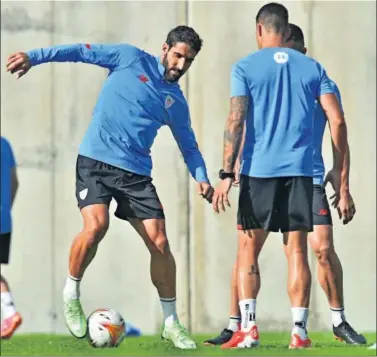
x: 297, y: 256
x: 323, y: 255
x: 160, y: 245
x: 95, y: 231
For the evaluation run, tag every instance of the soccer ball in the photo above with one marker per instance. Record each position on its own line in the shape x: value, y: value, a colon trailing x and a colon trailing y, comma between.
x: 106, y: 328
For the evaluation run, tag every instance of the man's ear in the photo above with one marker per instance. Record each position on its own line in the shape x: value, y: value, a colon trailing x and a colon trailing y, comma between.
x: 165, y: 48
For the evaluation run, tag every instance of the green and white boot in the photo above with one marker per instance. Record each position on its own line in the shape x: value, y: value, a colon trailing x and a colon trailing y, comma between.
x: 75, y: 318
x: 178, y: 334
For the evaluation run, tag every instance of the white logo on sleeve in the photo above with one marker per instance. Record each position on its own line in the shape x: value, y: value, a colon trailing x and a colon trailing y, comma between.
x: 281, y: 57
x: 169, y: 101
x: 83, y: 193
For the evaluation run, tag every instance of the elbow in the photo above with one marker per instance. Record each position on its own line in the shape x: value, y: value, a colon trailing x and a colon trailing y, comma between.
x: 336, y: 120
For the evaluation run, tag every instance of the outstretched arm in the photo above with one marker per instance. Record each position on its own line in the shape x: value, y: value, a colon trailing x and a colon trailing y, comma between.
x: 107, y: 56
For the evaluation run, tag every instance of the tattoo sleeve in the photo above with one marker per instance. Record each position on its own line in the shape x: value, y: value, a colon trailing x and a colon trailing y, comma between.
x: 233, y: 131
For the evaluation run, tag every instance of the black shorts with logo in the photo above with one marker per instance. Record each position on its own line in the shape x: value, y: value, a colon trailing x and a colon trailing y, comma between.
x: 5, y: 239
x: 275, y: 204
x: 99, y: 183
x: 321, y: 208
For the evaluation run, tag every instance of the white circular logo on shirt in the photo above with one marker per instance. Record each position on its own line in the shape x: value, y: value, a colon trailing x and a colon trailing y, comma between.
x: 281, y: 57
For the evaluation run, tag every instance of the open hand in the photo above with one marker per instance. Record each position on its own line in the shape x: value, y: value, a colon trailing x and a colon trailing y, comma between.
x: 220, y: 197
x: 345, y: 207
x: 18, y: 63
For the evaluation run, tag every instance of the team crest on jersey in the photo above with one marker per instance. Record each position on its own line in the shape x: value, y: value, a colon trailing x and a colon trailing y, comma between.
x: 169, y: 101
x: 281, y: 57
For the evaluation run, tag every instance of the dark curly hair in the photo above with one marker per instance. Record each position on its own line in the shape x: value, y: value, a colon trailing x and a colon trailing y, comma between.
x: 186, y: 35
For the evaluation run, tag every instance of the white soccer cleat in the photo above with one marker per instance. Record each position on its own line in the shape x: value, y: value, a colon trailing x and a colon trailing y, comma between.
x: 75, y: 318
x: 177, y: 334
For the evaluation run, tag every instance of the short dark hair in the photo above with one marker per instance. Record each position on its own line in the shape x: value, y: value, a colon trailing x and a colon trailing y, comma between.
x: 274, y: 16
x: 296, y: 34
x: 186, y: 35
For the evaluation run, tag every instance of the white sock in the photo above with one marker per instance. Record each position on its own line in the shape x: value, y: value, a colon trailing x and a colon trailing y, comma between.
x: 300, y: 319
x: 72, y: 289
x: 234, y: 323
x: 170, y: 310
x: 247, y: 308
x: 337, y: 316
x: 7, y: 305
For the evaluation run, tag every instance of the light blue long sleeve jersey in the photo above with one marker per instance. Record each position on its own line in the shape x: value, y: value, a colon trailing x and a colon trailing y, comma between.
x: 320, y: 121
x: 134, y: 103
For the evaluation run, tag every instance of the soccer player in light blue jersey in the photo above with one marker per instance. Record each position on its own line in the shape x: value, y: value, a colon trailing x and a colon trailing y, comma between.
x: 273, y: 91
x: 140, y: 94
x: 330, y: 273
x: 11, y: 319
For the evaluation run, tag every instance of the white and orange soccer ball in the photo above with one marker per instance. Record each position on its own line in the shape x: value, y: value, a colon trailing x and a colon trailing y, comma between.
x: 106, y: 328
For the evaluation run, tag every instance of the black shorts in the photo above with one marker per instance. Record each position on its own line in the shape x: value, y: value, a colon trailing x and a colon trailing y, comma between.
x: 97, y: 182
x: 321, y: 208
x: 275, y: 204
x: 4, y: 247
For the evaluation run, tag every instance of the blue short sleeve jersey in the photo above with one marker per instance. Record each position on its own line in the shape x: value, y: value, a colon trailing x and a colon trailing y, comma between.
x: 134, y: 103
x: 282, y: 85
x: 7, y: 164
x: 320, y: 121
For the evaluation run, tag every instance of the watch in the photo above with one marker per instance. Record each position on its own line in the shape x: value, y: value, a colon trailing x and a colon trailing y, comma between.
x: 224, y: 175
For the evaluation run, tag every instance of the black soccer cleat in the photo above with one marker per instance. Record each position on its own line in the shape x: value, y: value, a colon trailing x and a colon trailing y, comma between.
x: 224, y: 337
x: 345, y: 332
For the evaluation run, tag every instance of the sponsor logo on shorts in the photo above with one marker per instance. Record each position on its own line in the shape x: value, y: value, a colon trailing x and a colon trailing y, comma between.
x: 83, y: 193
x: 323, y: 212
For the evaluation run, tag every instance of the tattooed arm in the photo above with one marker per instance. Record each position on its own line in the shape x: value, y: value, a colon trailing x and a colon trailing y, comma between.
x: 234, y: 131
x: 239, y: 107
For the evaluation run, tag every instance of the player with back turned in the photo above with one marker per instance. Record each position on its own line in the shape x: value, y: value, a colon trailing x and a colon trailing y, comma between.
x: 273, y: 91
x: 330, y: 272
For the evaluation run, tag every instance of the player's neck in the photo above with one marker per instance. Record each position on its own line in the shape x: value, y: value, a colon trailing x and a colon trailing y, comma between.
x: 273, y: 41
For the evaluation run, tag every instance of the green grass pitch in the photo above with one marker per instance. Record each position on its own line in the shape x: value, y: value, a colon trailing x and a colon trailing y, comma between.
x: 272, y: 344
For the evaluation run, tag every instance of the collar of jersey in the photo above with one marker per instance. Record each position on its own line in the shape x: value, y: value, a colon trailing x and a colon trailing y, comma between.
x: 161, y: 67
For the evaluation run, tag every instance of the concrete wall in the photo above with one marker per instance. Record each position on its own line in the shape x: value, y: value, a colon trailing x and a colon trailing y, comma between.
x: 46, y: 113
